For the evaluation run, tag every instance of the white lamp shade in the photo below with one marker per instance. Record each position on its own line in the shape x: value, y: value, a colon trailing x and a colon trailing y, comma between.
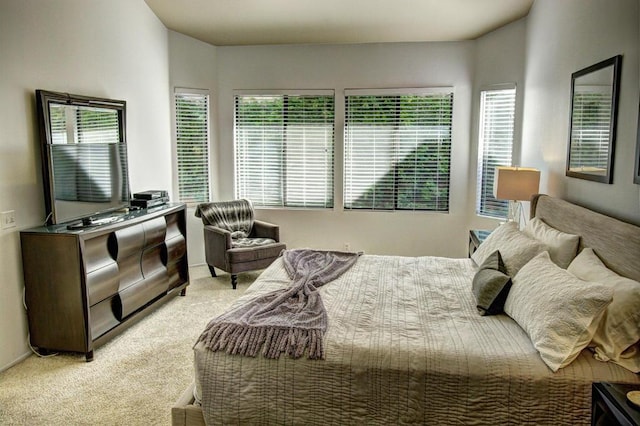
x: 515, y: 183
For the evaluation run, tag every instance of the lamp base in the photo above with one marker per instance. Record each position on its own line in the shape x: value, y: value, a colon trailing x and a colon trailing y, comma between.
x: 515, y: 212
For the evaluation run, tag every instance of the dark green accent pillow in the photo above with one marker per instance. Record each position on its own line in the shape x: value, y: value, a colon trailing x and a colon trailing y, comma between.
x: 491, y: 285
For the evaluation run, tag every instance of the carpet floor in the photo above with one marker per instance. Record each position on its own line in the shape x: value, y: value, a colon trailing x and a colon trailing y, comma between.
x: 135, y: 378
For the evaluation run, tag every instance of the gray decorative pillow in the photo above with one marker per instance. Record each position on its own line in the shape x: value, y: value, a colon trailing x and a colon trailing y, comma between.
x: 491, y: 285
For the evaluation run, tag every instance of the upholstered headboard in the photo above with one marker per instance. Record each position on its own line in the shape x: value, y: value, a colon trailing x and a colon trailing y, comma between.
x: 617, y: 243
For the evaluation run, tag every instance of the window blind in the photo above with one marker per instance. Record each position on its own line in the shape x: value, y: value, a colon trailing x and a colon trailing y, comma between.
x: 192, y: 145
x: 590, y: 130
x: 70, y: 124
x: 397, y: 149
x: 495, y: 146
x: 284, y: 149
x: 97, y: 125
x: 58, y: 120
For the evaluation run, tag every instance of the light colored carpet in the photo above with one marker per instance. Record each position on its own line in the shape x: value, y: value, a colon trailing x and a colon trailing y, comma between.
x: 134, y: 379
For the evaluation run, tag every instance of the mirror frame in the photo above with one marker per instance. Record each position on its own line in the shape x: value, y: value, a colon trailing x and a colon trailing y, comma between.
x: 616, y: 63
x: 636, y: 175
x: 43, y: 99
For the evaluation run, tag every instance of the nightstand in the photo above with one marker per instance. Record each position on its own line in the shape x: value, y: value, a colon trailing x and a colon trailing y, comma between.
x: 476, y: 237
x: 609, y: 405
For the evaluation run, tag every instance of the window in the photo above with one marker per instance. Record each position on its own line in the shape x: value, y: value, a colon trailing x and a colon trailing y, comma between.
x: 284, y: 149
x: 397, y: 149
x: 495, y: 144
x: 192, y: 145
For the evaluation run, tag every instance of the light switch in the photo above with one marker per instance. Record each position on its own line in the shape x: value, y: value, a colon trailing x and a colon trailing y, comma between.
x: 8, y: 219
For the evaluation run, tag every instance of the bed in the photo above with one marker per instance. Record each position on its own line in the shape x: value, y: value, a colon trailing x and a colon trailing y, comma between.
x: 406, y: 345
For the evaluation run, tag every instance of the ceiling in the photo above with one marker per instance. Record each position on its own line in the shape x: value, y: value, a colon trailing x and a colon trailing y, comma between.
x: 255, y: 22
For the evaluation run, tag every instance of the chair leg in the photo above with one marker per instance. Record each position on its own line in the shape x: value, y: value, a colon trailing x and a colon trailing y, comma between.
x: 212, y: 270
x: 234, y: 280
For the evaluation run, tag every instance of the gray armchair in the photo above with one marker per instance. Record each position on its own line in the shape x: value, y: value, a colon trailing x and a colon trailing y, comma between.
x: 234, y: 242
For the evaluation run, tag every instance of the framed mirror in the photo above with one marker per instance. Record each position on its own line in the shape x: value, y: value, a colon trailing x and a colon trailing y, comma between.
x: 636, y: 174
x: 592, y: 129
x: 84, y: 155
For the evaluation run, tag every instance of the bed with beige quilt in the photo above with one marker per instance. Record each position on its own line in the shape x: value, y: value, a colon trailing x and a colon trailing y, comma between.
x: 411, y: 340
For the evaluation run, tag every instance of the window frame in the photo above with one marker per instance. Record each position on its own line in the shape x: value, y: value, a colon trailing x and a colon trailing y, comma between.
x: 330, y: 173
x: 176, y: 160
x: 422, y: 91
x: 484, y: 171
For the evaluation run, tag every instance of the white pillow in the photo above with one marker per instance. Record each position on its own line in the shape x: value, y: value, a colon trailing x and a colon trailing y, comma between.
x: 515, y: 247
x: 619, y: 330
x: 559, y: 312
x: 563, y: 247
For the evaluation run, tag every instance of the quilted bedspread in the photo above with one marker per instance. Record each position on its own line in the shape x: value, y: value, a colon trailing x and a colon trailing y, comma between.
x: 404, y: 345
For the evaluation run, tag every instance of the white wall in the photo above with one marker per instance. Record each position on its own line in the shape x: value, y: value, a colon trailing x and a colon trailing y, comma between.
x: 357, y: 66
x: 193, y: 64
x: 564, y: 37
x: 113, y: 49
x: 500, y: 59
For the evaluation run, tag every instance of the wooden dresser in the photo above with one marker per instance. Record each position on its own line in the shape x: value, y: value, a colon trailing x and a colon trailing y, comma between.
x: 83, y: 286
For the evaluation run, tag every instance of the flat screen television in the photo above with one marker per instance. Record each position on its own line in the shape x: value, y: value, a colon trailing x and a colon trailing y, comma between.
x: 84, y: 157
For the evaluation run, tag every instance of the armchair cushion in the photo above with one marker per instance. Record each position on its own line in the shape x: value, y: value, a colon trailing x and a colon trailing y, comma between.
x: 243, y: 255
x: 251, y: 242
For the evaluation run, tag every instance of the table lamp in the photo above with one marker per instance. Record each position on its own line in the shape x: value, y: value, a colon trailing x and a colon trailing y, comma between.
x: 515, y: 184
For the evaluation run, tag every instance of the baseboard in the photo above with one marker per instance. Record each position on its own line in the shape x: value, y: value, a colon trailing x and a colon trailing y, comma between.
x: 16, y: 361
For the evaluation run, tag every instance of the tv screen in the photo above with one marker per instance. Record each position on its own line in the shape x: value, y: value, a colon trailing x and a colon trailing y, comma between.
x: 84, y: 156
x: 89, y: 179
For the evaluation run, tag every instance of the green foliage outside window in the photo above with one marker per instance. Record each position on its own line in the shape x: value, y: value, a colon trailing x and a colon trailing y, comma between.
x: 413, y: 134
x: 284, y: 150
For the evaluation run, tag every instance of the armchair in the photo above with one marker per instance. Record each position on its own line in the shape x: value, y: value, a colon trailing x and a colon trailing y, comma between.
x: 234, y: 242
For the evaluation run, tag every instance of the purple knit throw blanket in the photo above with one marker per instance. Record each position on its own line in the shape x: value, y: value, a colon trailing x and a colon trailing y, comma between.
x: 287, y: 321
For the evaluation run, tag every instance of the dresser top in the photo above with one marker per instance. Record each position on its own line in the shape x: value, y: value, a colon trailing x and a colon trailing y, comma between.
x: 108, y: 221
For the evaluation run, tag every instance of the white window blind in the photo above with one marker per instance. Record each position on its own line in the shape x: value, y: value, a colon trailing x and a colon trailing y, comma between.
x: 85, y: 125
x: 97, y: 126
x: 284, y: 149
x: 58, y: 119
x: 192, y: 145
x: 495, y: 146
x: 590, y: 129
x: 398, y: 149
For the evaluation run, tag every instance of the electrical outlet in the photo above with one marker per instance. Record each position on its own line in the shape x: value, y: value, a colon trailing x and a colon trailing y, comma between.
x: 347, y: 247
x: 8, y: 219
